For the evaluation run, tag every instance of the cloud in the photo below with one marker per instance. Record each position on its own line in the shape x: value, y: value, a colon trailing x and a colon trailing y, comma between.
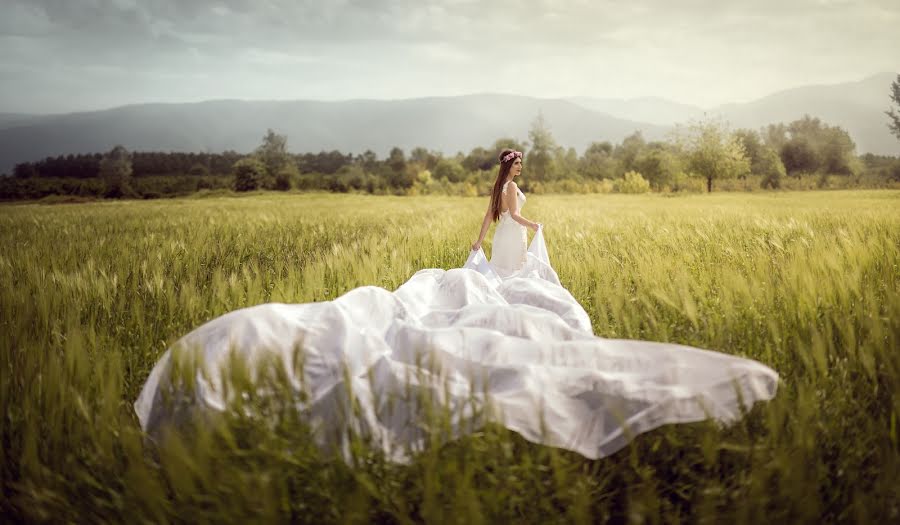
x: 84, y: 53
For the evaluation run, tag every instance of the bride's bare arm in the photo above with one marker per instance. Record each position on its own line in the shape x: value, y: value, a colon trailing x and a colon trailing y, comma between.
x: 485, y: 224
x: 512, y: 200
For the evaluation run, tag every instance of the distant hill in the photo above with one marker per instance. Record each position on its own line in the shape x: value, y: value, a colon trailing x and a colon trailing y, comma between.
x: 857, y: 107
x: 653, y: 110
x: 10, y: 119
x: 447, y: 124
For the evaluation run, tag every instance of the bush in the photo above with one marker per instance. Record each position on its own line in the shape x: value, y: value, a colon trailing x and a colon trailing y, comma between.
x: 633, y: 182
x: 249, y: 174
x: 284, y: 179
x: 687, y: 182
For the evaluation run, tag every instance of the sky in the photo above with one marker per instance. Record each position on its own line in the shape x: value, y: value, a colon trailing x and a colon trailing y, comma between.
x: 77, y: 55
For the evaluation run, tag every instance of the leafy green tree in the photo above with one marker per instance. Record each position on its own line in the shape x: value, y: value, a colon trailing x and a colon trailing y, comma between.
x: 115, y: 171
x: 323, y: 162
x: 799, y: 156
x: 711, y: 152
x: 450, y: 169
x: 368, y: 160
x: 480, y: 159
x: 769, y: 165
x: 541, y: 159
x: 566, y: 163
x: 894, y: 125
x: 627, y: 152
x: 396, y: 160
x: 753, y: 148
x: 775, y: 136
x: 273, y: 152
x: 838, y: 153
x: 814, y: 146
x: 424, y: 158
x: 249, y: 174
x: 507, y: 142
x: 399, y: 175
x: 658, y: 165
x: 598, y: 162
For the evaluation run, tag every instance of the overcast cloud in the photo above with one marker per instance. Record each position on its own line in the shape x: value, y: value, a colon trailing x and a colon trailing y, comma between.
x: 91, y: 54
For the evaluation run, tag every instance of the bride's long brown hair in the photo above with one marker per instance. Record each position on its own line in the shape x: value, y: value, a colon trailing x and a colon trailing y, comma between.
x: 498, y: 184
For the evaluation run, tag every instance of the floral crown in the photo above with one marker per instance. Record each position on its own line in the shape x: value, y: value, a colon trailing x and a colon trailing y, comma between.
x: 511, y: 155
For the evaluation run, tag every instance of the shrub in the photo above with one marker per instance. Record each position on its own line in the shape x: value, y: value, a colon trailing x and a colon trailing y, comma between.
x: 632, y: 182
x: 284, y: 179
x: 249, y: 174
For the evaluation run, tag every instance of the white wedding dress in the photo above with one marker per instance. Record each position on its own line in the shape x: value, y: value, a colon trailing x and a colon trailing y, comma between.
x: 510, y: 240
x: 503, y: 332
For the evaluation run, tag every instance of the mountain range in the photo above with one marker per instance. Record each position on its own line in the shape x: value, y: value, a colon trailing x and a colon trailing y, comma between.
x: 446, y: 124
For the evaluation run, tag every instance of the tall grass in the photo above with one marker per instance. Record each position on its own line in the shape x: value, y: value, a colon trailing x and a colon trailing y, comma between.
x: 808, y: 283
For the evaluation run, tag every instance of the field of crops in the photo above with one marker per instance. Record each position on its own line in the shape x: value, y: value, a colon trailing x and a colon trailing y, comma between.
x: 808, y: 283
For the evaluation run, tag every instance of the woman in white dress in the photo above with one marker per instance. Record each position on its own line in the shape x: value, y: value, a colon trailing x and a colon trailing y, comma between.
x: 510, y: 239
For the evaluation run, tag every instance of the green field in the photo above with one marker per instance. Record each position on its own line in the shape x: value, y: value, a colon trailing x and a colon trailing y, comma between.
x: 808, y: 283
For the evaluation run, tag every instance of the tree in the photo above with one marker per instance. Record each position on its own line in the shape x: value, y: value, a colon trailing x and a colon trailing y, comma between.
x: 323, y: 162
x: 424, y: 158
x: 273, y: 152
x: 753, y: 147
x: 798, y: 156
x: 566, y: 162
x: 838, y: 152
x: 399, y: 175
x: 775, y: 136
x: 657, y: 165
x: 598, y: 162
x: 813, y: 146
x: 115, y: 171
x: 507, y: 142
x: 198, y: 170
x: 711, y: 152
x: 541, y: 159
x: 627, y: 152
x: 368, y: 160
x: 25, y: 170
x: 249, y: 174
x: 480, y: 159
x: 450, y: 169
x: 894, y: 126
x: 769, y: 165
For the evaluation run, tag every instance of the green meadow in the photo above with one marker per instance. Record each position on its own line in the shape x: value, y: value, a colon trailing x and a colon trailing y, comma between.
x: 808, y: 283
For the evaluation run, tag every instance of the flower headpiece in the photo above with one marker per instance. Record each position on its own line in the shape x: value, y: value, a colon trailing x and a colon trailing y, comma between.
x: 511, y: 155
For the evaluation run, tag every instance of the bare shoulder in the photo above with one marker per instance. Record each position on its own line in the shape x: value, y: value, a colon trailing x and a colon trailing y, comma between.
x: 513, y: 185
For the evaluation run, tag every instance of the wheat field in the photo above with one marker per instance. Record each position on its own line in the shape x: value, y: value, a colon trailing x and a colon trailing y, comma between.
x: 806, y: 282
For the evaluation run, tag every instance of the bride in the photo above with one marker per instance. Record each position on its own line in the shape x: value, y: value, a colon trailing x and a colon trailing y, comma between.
x: 510, y: 238
x: 496, y: 340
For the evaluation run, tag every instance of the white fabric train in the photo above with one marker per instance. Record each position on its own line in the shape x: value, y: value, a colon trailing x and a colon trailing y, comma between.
x: 521, y: 341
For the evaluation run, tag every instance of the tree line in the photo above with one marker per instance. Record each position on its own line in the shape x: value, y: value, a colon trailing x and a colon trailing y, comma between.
x: 696, y: 157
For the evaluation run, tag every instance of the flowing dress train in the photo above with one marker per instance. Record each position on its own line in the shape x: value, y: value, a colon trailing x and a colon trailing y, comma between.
x: 502, y: 333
